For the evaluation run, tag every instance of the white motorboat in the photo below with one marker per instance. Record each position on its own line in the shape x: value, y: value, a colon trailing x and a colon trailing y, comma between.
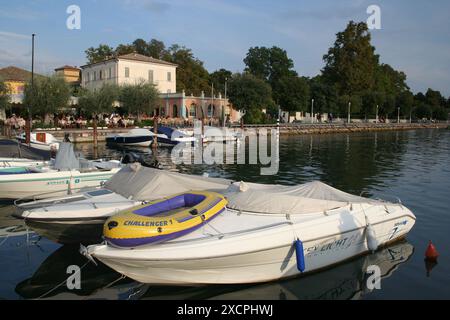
x: 66, y: 175
x: 343, y: 282
x: 135, y: 137
x: 79, y: 218
x: 267, y: 233
x: 41, y: 141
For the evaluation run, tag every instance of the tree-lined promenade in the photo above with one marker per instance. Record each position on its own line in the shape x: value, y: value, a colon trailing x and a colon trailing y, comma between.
x: 353, y: 82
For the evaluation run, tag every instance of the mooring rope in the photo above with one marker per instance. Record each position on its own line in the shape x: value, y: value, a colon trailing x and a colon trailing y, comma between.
x: 63, y: 282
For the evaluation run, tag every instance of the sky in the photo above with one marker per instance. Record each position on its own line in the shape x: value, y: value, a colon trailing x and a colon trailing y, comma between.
x: 414, y: 35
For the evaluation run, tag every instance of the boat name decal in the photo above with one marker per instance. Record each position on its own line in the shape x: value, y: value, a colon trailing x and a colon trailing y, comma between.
x: 146, y: 223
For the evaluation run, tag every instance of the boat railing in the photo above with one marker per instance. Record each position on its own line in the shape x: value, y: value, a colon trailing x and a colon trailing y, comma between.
x: 41, y: 197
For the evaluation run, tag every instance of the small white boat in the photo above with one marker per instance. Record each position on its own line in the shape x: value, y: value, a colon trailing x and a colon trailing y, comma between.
x: 267, y: 233
x: 66, y: 175
x: 135, y: 137
x: 41, y: 141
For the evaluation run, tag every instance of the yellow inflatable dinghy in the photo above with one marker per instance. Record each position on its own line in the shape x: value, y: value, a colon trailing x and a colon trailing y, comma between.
x: 164, y: 219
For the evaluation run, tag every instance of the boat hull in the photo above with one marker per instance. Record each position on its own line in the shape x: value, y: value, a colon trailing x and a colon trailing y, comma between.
x: 254, y: 257
x: 50, y: 184
x: 137, y: 141
x: 69, y: 232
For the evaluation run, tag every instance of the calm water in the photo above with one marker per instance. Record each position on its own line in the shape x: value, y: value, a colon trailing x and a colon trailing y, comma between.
x: 413, y: 166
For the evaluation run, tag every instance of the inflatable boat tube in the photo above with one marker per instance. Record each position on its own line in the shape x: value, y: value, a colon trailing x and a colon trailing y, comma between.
x: 163, y: 220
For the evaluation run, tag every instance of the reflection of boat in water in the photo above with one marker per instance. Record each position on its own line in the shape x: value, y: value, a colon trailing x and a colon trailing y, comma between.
x: 345, y: 281
x: 97, y: 282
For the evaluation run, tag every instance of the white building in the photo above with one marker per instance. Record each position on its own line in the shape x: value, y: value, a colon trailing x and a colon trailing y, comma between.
x: 131, y: 68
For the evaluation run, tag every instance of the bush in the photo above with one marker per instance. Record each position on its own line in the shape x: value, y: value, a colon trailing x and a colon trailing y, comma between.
x: 144, y: 123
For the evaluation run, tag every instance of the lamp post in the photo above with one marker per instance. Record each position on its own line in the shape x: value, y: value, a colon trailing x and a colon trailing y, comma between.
x: 349, y: 110
x: 376, y: 118
x: 30, y: 120
x: 398, y: 115
x: 226, y: 101
x: 312, y: 110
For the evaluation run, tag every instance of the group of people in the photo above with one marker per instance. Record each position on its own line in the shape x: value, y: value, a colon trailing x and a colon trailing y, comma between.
x: 15, y: 122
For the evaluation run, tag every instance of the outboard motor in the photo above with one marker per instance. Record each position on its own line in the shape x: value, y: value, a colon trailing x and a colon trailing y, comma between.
x: 129, y: 158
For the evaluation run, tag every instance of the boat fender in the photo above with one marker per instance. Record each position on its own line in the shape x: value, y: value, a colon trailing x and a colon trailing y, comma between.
x: 371, y: 238
x: 299, y: 255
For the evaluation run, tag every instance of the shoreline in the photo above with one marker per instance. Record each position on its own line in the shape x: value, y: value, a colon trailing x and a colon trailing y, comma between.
x: 86, y: 135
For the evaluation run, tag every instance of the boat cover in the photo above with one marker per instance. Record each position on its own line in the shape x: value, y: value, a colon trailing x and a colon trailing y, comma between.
x: 66, y: 158
x: 141, y: 183
x: 312, y: 197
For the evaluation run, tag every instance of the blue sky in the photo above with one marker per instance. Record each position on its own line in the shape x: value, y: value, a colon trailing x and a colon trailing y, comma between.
x: 415, y: 35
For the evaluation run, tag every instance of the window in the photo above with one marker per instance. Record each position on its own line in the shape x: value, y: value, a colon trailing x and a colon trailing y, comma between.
x: 150, y: 76
x: 95, y: 75
x: 109, y: 73
x: 88, y: 77
x: 169, y: 76
x: 193, y: 110
x: 175, y: 111
x: 210, y: 110
x: 100, y: 75
x: 127, y: 72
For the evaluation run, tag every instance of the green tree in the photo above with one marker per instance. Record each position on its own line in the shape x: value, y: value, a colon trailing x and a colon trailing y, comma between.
x: 48, y: 95
x: 406, y: 103
x: 102, y: 52
x: 98, y: 102
x: 250, y: 94
x: 141, y: 47
x: 325, y: 96
x: 272, y: 65
x: 351, y: 63
x: 293, y: 93
x: 157, y: 50
x: 191, y: 74
x: 219, y: 77
x: 123, y: 49
x: 370, y: 101
x: 139, y: 99
x: 4, y: 95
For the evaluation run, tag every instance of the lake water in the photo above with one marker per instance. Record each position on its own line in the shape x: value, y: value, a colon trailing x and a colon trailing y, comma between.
x: 411, y: 165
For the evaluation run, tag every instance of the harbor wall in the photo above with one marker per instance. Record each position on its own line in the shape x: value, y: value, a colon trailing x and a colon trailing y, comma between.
x: 86, y: 135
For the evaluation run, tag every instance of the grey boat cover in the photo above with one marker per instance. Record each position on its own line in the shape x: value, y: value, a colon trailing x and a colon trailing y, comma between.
x: 141, y: 183
x: 312, y: 197
x: 66, y: 158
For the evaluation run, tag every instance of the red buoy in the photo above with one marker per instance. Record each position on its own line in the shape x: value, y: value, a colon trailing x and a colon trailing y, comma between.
x: 431, y: 253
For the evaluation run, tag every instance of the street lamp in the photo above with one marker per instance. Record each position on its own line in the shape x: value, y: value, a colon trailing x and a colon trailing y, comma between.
x: 398, y: 115
x: 349, y: 109
x: 30, y: 120
x: 376, y: 118
x: 226, y: 102
x: 312, y: 111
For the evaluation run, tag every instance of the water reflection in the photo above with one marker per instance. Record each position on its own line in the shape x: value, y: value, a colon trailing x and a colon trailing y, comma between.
x: 346, y: 281
x: 97, y: 282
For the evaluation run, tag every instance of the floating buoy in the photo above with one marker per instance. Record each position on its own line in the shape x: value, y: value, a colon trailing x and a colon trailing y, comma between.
x: 300, y: 255
x: 371, y: 238
x: 431, y: 254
